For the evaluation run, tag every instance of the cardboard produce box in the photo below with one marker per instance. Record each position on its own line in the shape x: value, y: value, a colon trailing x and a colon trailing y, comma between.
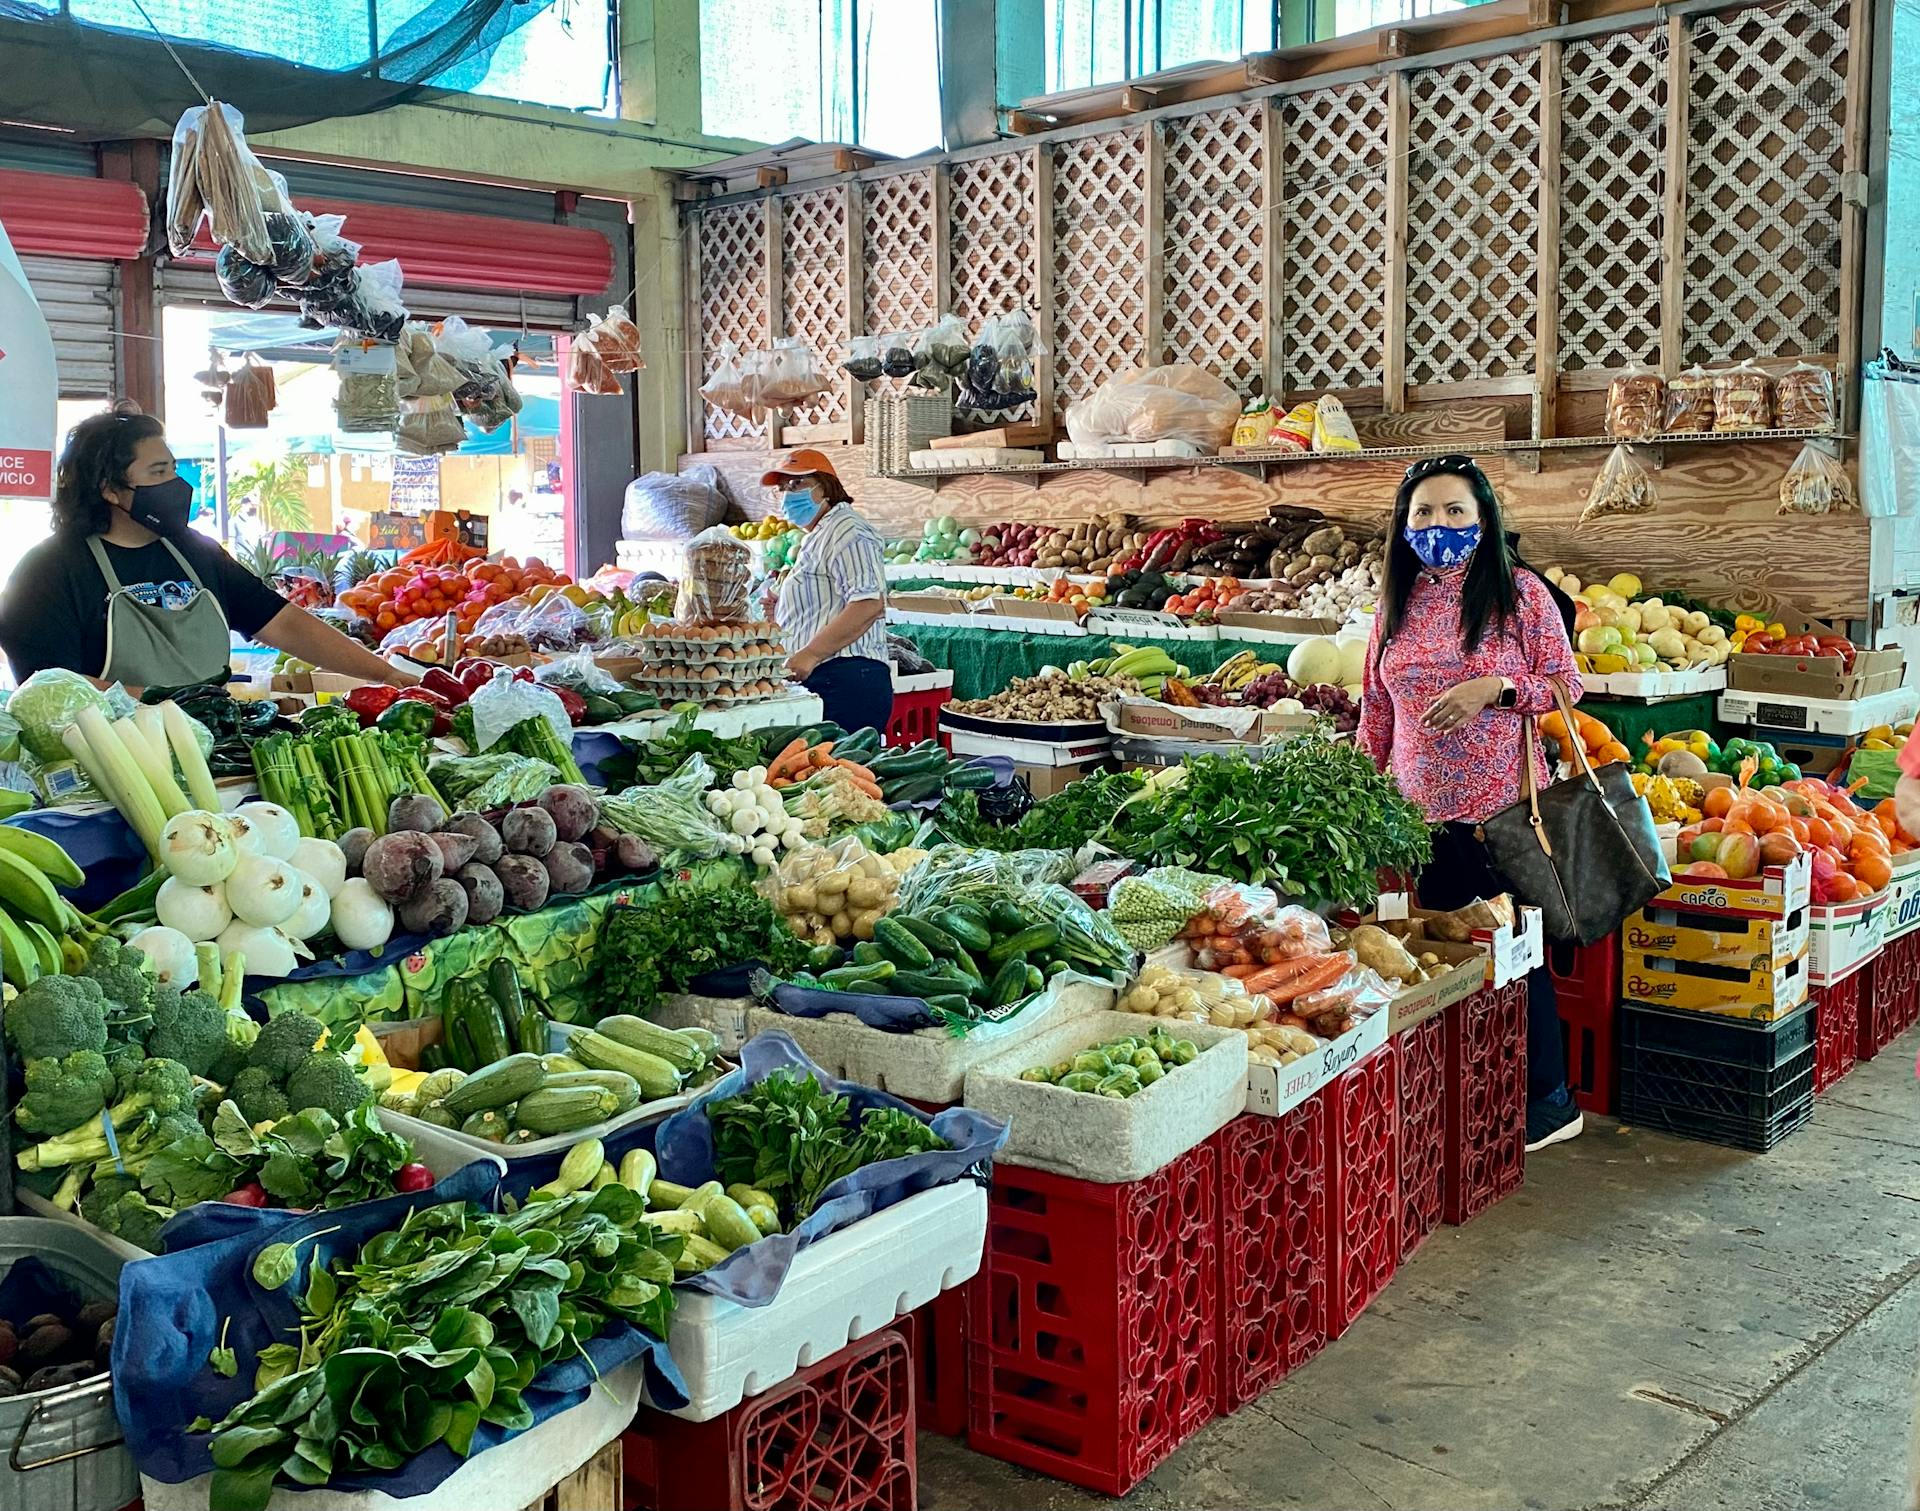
x: 1275, y: 1090
x: 1903, y: 898
x: 1511, y: 950
x: 1009, y: 607
x: 1274, y: 624
x: 1844, y: 937
x: 1750, y: 944
x: 1816, y: 676
x: 1777, y: 892
x: 1466, y: 973
x: 1724, y: 990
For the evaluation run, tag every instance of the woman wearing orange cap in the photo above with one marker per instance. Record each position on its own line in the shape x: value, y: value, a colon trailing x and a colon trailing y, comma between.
x: 833, y: 606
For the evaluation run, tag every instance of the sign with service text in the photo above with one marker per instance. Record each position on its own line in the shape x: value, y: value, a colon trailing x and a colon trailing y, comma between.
x: 29, y: 387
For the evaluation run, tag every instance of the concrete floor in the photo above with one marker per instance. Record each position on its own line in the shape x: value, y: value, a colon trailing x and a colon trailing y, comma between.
x: 1649, y: 1323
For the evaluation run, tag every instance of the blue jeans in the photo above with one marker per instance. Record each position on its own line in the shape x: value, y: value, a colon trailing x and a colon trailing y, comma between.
x: 856, y: 691
x: 1458, y: 873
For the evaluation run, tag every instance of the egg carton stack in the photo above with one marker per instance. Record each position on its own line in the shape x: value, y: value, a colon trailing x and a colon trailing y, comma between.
x: 715, y: 664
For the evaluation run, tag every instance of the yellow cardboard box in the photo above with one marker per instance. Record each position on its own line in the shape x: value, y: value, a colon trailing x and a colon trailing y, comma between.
x: 1725, y: 990
x: 1752, y: 944
x: 1777, y: 892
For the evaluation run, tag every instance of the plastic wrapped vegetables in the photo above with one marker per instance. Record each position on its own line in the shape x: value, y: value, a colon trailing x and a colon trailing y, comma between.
x: 672, y: 816
x: 1150, y: 910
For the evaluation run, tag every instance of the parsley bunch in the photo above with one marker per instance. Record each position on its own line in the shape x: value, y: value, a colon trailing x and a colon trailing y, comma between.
x: 692, y: 929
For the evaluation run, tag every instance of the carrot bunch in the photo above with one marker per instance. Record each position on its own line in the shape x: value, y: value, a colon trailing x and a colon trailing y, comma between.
x: 799, y: 760
x: 446, y: 551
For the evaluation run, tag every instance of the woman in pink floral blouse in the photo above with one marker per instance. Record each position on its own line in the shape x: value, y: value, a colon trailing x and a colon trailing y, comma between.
x: 1466, y: 641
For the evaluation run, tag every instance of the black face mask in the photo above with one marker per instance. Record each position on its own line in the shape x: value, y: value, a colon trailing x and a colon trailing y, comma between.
x: 162, y: 507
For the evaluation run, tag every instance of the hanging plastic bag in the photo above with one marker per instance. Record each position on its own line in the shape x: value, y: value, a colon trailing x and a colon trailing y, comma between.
x: 722, y: 390
x: 618, y: 340
x: 429, y: 427
x: 1332, y: 428
x: 1176, y: 403
x: 1816, y: 484
x: 1636, y: 405
x: 999, y: 372
x: 1742, y: 399
x: 863, y: 360
x: 714, y: 586
x: 186, y: 206
x: 587, y: 369
x: 293, y: 248
x: 940, y: 352
x: 1803, y: 398
x: 250, y: 395
x: 792, y: 374
x: 224, y: 179
x: 247, y: 284
x: 368, y: 401
x: 1690, y: 403
x: 1622, y: 487
x: 486, y: 395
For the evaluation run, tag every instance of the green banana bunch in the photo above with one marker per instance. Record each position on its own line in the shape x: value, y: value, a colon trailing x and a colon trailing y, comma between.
x: 39, y: 929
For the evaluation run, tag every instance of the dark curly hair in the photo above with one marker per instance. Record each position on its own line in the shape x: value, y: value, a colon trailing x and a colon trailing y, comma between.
x: 99, y: 454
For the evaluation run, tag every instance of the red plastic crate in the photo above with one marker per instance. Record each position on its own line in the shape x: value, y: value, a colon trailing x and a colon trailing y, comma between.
x: 940, y: 1362
x: 916, y: 716
x: 1486, y: 1099
x: 1423, y: 1130
x: 1586, y: 983
x: 1363, y: 1203
x: 838, y: 1436
x: 1836, y: 1028
x: 1887, y: 995
x: 1094, y: 1324
x: 1274, y: 1257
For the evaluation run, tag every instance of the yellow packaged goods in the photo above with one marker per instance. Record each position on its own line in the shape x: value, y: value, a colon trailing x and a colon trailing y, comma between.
x: 1636, y: 402
x: 1332, y: 429
x: 1816, y: 484
x: 1622, y: 487
x: 1690, y: 403
x: 1295, y: 427
x: 1254, y: 424
x: 1803, y: 398
x: 1742, y: 399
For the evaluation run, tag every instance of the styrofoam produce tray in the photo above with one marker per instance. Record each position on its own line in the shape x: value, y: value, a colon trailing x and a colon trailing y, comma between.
x: 929, y: 1065
x: 847, y: 1285
x: 1781, y: 711
x: 439, y: 1149
x: 723, y: 1017
x: 1106, y: 1139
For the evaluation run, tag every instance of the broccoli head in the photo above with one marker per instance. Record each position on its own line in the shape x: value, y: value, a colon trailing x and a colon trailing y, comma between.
x: 64, y: 1093
x: 123, y: 1060
x: 56, y: 1016
x: 189, y: 1027
x: 260, y: 1101
x: 104, y: 1192
x: 285, y: 1044
x: 127, y: 1214
x: 161, y: 1086
x: 325, y: 1080
x: 121, y: 973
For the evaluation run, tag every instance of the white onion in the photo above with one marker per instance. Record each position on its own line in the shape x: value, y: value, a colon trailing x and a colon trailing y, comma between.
x: 269, y: 952
x: 310, y: 917
x: 323, y: 861
x: 198, y: 848
x: 197, y: 912
x: 171, y: 954
x: 263, y: 891
x: 361, y: 918
x: 276, y: 829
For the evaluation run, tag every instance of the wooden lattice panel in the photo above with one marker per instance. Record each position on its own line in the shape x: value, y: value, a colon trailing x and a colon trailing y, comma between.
x: 1473, y: 181
x: 993, y: 243
x: 1766, y: 112
x: 733, y: 297
x: 1613, y: 113
x: 1099, y: 261
x: 1334, y: 230
x: 900, y: 273
x: 1214, y: 299
x: 813, y: 235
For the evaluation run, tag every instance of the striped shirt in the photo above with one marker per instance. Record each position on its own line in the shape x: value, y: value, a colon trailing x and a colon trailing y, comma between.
x: 840, y: 562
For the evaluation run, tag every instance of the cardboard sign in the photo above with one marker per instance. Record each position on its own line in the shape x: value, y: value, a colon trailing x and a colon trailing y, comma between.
x: 29, y: 386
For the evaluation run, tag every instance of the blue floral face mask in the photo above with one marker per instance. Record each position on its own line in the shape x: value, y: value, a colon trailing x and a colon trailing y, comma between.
x: 1443, y: 546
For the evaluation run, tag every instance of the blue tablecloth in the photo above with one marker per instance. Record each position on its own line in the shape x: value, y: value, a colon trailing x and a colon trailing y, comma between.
x: 101, y: 844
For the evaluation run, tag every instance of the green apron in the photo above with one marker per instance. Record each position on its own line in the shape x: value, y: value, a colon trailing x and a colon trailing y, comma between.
x: 155, y: 645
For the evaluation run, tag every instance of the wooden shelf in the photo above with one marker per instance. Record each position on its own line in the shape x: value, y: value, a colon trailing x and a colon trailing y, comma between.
x: 1652, y: 450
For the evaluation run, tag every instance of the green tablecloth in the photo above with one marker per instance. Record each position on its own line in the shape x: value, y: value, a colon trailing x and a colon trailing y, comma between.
x: 984, y: 661
x: 1632, y: 721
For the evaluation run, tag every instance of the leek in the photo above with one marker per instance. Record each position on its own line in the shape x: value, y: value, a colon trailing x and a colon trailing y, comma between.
x: 156, y: 764
x: 206, y: 956
x: 186, y: 750
x: 107, y: 762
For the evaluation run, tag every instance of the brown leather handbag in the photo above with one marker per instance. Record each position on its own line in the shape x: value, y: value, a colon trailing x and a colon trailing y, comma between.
x: 1583, y: 850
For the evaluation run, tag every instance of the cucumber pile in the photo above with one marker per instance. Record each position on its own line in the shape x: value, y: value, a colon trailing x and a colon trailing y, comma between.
x: 964, y: 961
x: 906, y: 773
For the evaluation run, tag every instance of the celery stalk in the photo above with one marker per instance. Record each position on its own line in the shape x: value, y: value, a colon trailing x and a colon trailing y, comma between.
x: 186, y: 750
x: 156, y: 764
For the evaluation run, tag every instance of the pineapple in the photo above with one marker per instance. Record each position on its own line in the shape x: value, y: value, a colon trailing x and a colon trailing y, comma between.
x: 355, y: 567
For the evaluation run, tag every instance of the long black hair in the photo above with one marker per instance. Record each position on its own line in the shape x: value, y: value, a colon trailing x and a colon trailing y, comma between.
x: 1488, y: 596
x: 99, y: 455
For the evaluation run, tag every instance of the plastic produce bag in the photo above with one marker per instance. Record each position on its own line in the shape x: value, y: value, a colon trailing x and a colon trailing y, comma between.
x: 1742, y: 399
x: 494, y: 780
x: 897, y: 357
x: 941, y: 353
x: 1294, y: 429
x: 506, y: 701
x: 578, y: 671
x: 617, y: 339
x: 1621, y: 487
x: 46, y: 704
x: 1816, y: 484
x: 215, y: 173
x: 953, y: 873
x: 429, y: 427
x: 999, y: 371
x: 487, y: 395
x: 791, y: 374
x: 1175, y: 403
x: 714, y: 589
x: 674, y: 505
x: 863, y: 359
x: 1803, y: 398
x: 1332, y: 428
x: 555, y: 623
x: 672, y: 816
x: 587, y: 372
x: 250, y: 395
x: 368, y: 400
x: 723, y: 390
x: 1690, y: 403
x: 425, y: 374
x: 1636, y: 402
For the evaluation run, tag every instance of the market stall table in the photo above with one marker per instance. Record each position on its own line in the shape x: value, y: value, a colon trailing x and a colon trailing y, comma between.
x: 1632, y: 720
x: 985, y: 661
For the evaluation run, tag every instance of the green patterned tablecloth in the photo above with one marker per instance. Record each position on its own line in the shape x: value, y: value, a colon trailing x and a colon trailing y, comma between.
x: 985, y: 661
x: 1632, y: 721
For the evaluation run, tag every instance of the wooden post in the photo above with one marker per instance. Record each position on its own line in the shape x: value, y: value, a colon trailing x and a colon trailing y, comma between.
x: 854, y: 265
x: 776, y: 285
x: 1273, y: 189
x: 942, y: 239
x: 1673, y: 224
x: 137, y: 361
x: 1853, y: 210
x: 1042, y: 205
x: 694, y: 341
x: 1154, y: 219
x: 1393, y: 334
x: 1546, y: 316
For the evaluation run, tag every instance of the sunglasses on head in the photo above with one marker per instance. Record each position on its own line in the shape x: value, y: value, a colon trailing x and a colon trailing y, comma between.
x: 1428, y: 466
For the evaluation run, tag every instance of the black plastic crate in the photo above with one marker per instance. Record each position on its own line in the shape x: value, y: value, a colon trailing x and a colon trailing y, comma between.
x: 1724, y: 1080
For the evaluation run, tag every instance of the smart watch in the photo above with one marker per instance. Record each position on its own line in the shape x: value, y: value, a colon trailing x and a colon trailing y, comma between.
x: 1509, y: 695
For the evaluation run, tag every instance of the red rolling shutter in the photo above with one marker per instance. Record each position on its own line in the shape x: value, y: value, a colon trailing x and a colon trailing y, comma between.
x: 53, y: 215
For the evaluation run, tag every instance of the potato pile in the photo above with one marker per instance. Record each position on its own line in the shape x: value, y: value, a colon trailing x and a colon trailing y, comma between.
x: 1203, y: 997
x: 1089, y: 546
x: 1048, y: 699
x: 837, y: 893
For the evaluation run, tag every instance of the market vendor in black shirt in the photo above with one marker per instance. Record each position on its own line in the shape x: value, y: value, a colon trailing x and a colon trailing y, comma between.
x: 123, y: 591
